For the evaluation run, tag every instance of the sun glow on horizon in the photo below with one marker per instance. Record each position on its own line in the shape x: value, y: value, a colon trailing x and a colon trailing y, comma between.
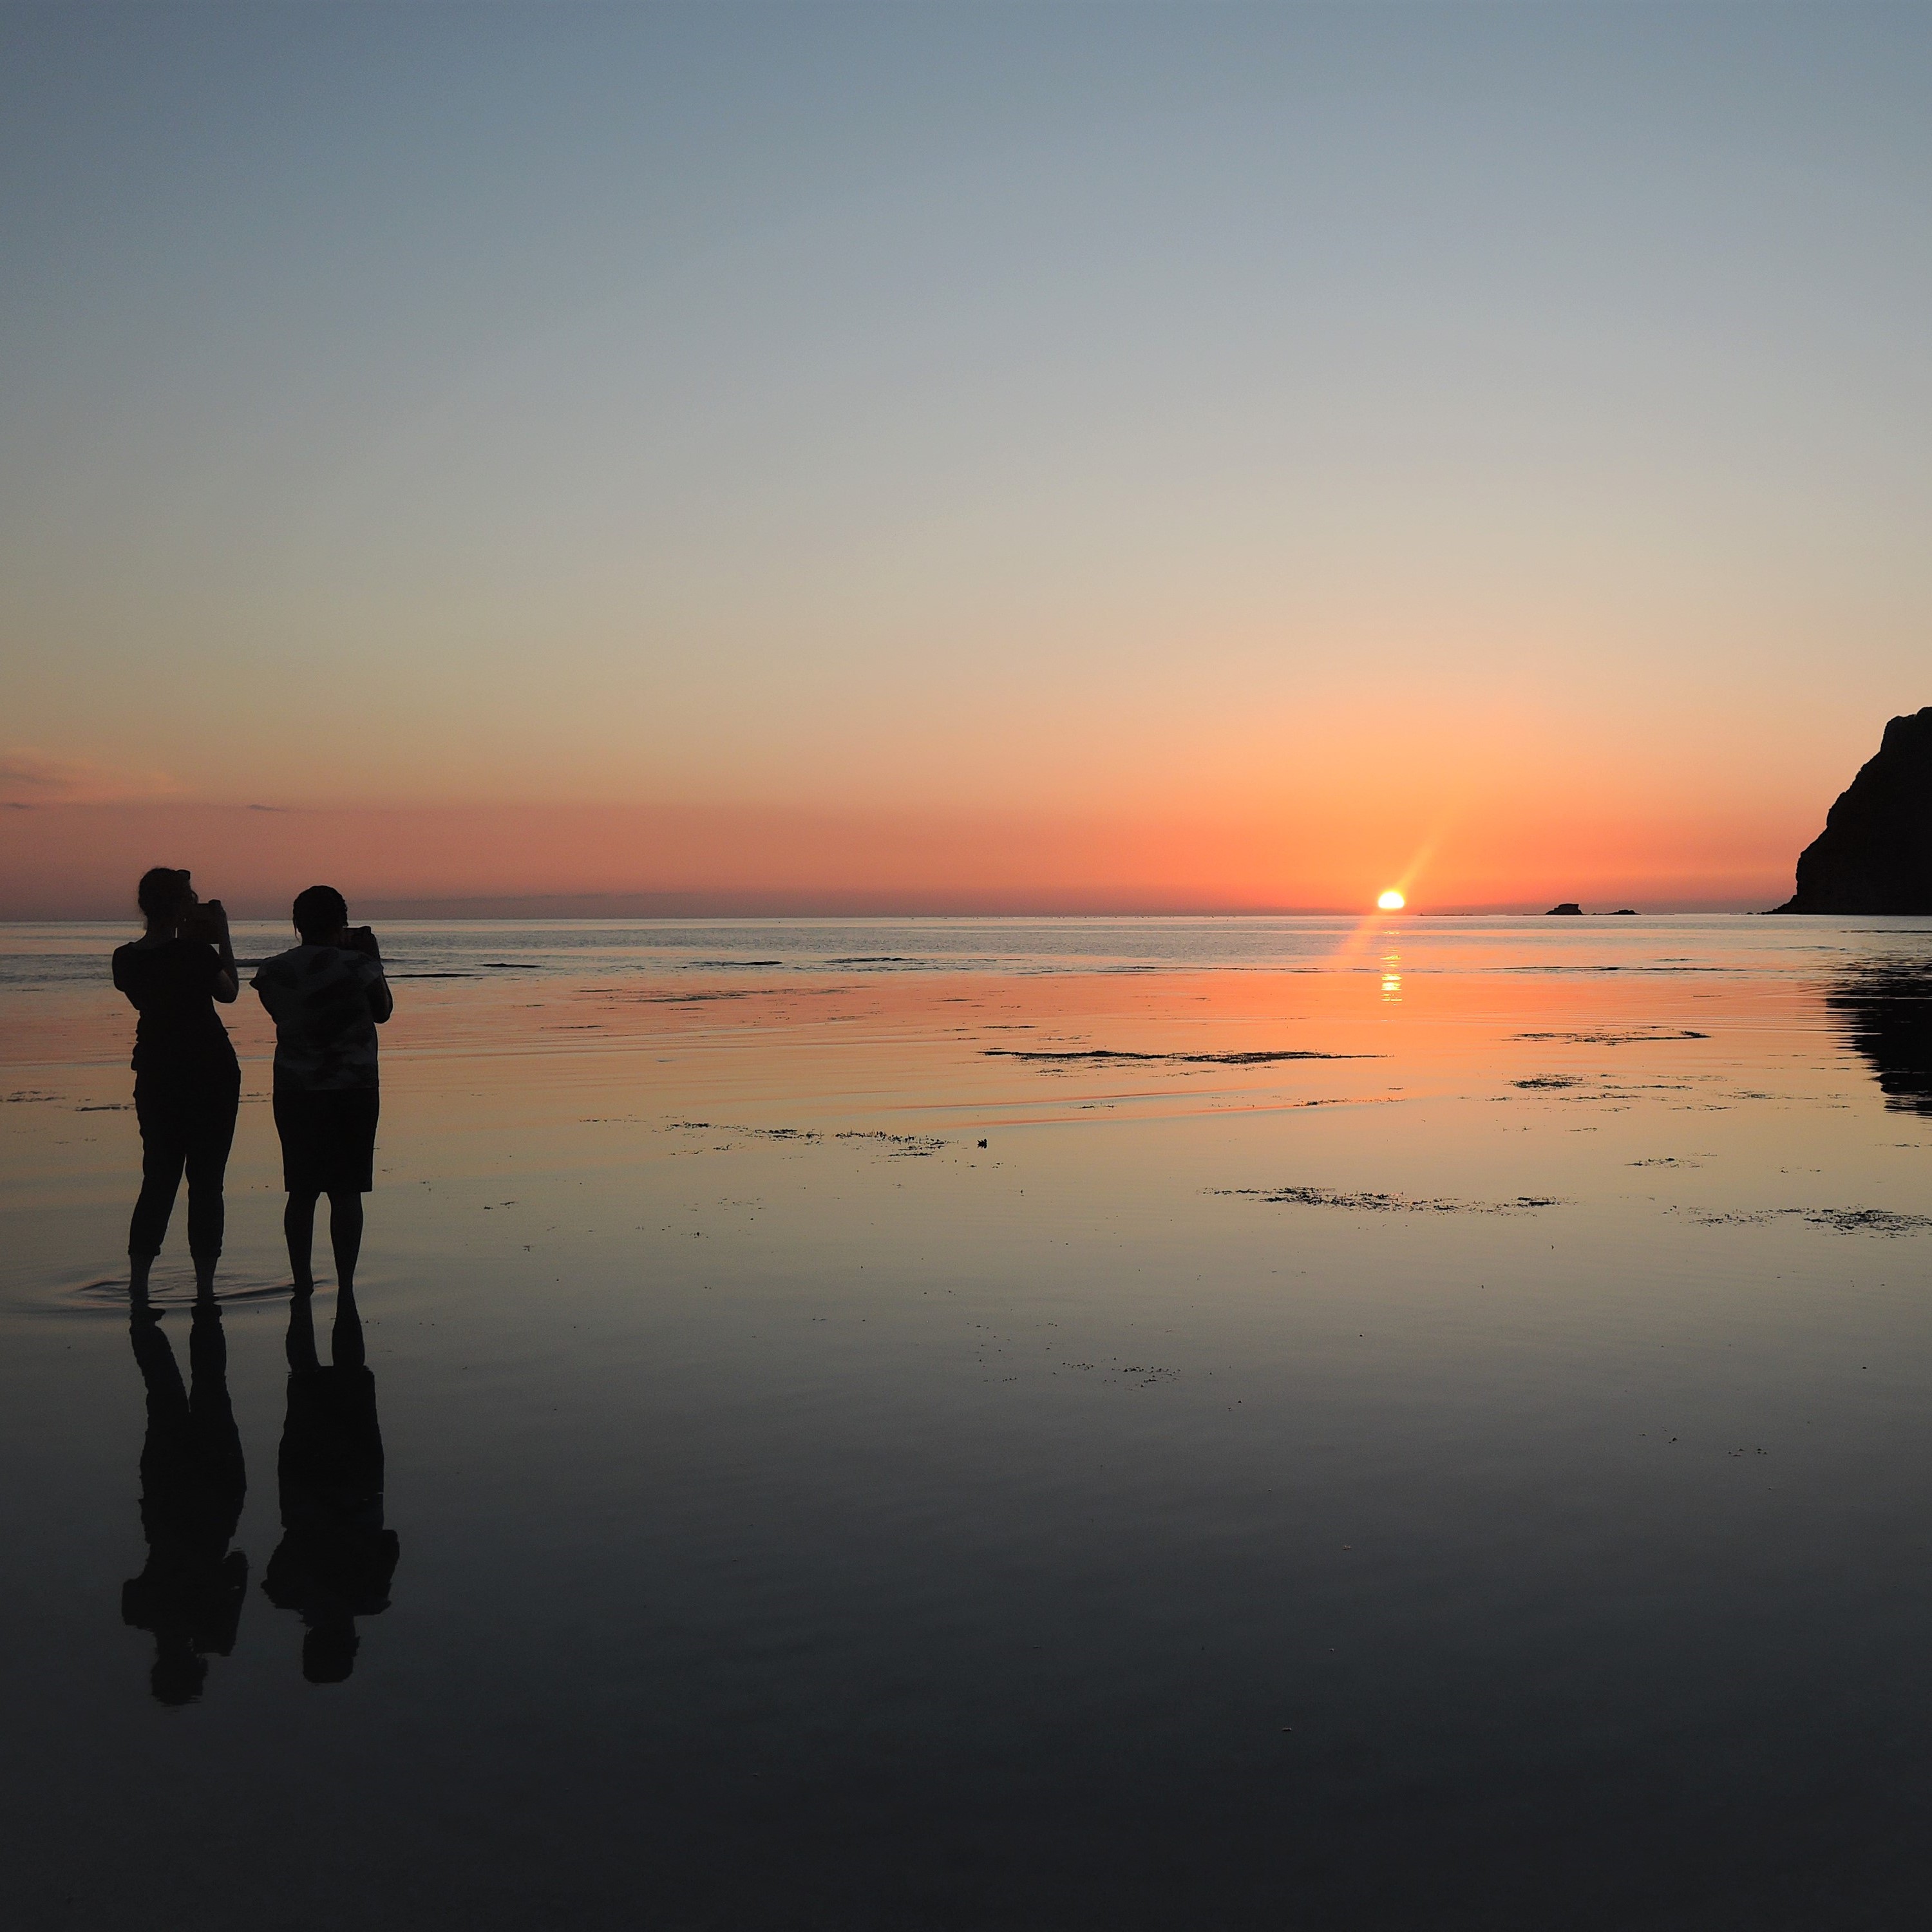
x: 1391, y: 900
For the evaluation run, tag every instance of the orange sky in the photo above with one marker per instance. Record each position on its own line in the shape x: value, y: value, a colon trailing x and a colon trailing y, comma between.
x: 80, y: 861
x: 957, y: 457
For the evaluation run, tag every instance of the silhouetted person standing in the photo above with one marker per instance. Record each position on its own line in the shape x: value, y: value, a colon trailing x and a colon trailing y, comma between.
x: 327, y: 997
x: 335, y: 1558
x: 192, y: 1483
x: 187, y: 1083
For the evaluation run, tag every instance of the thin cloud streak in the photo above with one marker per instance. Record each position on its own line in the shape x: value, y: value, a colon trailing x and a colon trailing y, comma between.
x: 30, y: 777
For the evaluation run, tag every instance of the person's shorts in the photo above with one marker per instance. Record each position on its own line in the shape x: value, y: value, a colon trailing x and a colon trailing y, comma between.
x: 328, y: 1139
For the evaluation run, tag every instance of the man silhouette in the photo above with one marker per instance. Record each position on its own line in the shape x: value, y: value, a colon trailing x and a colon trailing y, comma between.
x: 327, y: 997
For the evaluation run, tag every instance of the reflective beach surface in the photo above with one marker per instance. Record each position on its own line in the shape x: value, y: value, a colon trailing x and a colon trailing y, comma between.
x: 1017, y: 1423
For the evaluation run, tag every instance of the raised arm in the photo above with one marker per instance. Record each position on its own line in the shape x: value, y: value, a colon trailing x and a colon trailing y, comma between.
x: 382, y: 1001
x: 228, y: 979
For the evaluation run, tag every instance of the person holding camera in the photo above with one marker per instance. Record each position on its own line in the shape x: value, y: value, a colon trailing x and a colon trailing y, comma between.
x: 327, y: 997
x: 188, y: 1082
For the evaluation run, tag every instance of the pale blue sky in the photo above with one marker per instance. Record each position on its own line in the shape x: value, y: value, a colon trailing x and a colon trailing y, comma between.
x: 1097, y: 402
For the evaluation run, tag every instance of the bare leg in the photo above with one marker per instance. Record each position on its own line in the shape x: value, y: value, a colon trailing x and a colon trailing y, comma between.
x: 212, y: 1133
x: 345, y: 1236
x: 163, y: 1155
x: 299, y: 1225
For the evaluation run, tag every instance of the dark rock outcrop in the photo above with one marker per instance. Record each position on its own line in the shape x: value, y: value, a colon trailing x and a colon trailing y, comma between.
x: 1568, y: 906
x: 1875, y: 853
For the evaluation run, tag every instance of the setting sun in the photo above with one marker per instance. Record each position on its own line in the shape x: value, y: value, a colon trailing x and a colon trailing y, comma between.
x: 1391, y: 900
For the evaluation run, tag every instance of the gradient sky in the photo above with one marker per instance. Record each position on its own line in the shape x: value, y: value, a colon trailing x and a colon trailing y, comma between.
x: 1190, y: 454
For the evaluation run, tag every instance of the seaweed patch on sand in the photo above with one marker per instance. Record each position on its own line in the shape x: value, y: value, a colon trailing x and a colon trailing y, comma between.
x: 1841, y: 1220
x: 1150, y: 1375
x: 915, y: 1146
x: 1613, y: 1037
x: 1103, y: 1055
x: 1385, y: 1204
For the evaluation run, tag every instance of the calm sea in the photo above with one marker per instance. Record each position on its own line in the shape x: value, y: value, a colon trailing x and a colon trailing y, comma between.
x: 1003, y: 1423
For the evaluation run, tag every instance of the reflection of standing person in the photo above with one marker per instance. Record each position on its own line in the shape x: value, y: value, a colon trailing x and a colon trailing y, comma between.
x: 193, y: 1482
x: 327, y: 997
x: 188, y: 1084
x: 335, y: 1558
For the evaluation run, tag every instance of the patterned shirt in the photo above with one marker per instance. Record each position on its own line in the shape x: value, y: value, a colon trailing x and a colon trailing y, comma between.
x: 325, y: 1001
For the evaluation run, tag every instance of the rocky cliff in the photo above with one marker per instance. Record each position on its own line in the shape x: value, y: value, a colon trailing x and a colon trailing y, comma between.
x: 1875, y: 853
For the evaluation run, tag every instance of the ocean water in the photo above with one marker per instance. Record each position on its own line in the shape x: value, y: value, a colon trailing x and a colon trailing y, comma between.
x: 1012, y: 1423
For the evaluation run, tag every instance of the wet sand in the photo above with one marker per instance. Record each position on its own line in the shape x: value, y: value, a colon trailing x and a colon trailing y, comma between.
x: 1471, y: 1472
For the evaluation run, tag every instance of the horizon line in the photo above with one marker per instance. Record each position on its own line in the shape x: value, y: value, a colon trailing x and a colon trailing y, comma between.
x: 738, y: 906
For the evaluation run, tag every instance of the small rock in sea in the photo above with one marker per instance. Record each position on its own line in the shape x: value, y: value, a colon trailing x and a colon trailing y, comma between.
x: 982, y: 1143
x: 1624, y: 912
x: 1567, y: 906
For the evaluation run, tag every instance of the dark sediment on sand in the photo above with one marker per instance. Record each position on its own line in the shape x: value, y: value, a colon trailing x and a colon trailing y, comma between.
x: 1100, y: 1055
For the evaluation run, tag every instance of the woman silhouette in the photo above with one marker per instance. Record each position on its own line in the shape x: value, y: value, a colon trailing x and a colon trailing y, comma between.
x: 187, y: 1083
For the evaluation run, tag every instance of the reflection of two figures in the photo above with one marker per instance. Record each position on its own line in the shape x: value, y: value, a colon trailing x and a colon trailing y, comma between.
x: 335, y: 1558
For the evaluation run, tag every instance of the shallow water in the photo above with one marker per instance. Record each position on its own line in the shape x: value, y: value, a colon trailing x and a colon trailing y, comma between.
x: 1418, y: 1424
